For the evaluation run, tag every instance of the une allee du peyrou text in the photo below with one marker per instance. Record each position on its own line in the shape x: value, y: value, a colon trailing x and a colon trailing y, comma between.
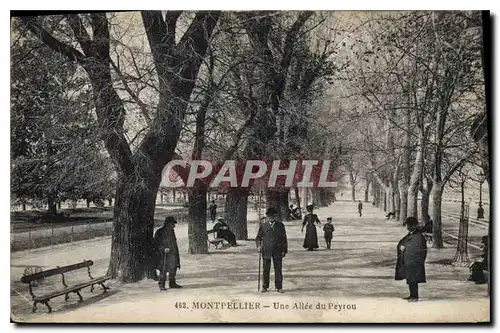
x: 218, y: 305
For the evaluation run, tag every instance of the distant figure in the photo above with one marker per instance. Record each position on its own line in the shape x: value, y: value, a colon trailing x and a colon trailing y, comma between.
x: 224, y: 232
x: 480, y: 211
x: 360, y: 207
x: 328, y: 229
x: 412, y: 251
x: 311, y: 239
x: 294, y: 213
x: 272, y: 244
x: 428, y: 225
x: 213, y: 211
x: 477, y: 269
x: 167, y: 257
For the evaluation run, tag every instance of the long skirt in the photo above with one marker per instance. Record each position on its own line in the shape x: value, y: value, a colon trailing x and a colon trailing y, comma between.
x: 311, y: 239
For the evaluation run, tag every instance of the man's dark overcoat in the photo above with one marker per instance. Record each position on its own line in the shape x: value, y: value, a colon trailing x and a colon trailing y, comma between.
x: 272, y: 238
x: 411, y: 262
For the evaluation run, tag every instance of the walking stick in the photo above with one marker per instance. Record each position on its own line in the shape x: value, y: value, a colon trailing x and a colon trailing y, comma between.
x: 260, y: 256
x: 163, y: 273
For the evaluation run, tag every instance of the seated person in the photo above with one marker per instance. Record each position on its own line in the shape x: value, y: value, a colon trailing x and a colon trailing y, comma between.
x: 477, y: 269
x: 428, y: 225
x: 294, y: 213
x: 224, y: 232
x: 390, y: 214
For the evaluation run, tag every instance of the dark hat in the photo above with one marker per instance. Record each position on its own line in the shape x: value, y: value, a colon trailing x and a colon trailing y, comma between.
x: 220, y: 219
x: 411, y: 220
x: 310, y: 207
x: 170, y: 219
x: 328, y: 218
x: 271, y: 211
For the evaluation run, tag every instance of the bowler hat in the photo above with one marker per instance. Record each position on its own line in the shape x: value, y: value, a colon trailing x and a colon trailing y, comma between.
x: 309, y: 207
x: 411, y: 220
x: 271, y: 211
x: 170, y: 219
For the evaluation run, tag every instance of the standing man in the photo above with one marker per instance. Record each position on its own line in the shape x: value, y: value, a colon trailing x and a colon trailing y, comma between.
x: 412, y: 251
x: 168, y: 253
x: 360, y: 207
x: 213, y: 211
x: 272, y: 244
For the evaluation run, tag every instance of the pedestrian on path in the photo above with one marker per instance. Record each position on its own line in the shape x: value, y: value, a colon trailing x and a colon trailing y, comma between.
x: 412, y: 251
x: 272, y: 244
x: 328, y: 229
x: 213, y: 211
x: 360, y: 208
x: 168, y: 259
x: 311, y: 239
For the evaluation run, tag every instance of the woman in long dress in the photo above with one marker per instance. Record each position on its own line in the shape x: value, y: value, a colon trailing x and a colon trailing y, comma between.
x: 311, y: 239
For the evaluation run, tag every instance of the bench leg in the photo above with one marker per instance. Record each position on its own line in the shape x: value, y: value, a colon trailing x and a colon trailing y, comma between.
x: 34, y: 306
x: 104, y: 288
x: 92, y: 288
x: 48, y: 306
x: 66, y: 297
x: 79, y: 295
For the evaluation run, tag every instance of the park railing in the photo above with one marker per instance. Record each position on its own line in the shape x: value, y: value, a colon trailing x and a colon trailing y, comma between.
x: 54, y: 234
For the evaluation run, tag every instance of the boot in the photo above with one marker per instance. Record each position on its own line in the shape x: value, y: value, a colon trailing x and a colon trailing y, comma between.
x: 173, y: 284
x: 161, y: 284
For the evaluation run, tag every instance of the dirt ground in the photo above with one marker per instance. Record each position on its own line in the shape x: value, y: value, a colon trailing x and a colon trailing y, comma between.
x: 359, y: 271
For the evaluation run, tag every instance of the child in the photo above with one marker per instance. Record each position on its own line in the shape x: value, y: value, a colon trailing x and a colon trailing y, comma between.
x: 328, y: 229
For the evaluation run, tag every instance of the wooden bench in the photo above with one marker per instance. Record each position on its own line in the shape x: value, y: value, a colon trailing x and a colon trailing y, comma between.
x: 44, y: 299
x: 215, y: 241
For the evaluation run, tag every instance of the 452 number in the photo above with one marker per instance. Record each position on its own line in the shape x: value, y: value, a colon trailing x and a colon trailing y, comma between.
x: 180, y: 305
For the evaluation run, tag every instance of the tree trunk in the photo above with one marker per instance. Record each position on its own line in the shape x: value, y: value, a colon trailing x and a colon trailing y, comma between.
x: 278, y: 198
x: 133, y: 227
x: 436, y: 197
x: 424, y: 204
x: 403, y: 203
x: 385, y: 200
x: 52, y: 208
x: 414, y: 180
x: 23, y: 205
x: 235, y: 211
x: 110, y: 201
x: 59, y: 205
x: 462, y: 256
x: 397, y: 204
x: 297, y: 197
x: 353, y: 192
x: 88, y: 203
x: 173, y: 195
x: 323, y: 197
x: 305, y: 197
x: 197, y: 226
x: 367, y: 189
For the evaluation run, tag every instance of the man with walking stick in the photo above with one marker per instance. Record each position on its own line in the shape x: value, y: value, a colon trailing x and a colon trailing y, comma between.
x: 166, y: 243
x: 272, y: 244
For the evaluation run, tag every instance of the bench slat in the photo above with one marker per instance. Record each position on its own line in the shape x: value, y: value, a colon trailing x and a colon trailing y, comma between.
x: 56, y: 271
x: 71, y: 289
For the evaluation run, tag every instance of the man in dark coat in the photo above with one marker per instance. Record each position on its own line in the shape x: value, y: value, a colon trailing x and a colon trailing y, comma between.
x: 168, y: 259
x: 272, y: 244
x: 213, y: 211
x: 412, y: 251
x: 360, y: 208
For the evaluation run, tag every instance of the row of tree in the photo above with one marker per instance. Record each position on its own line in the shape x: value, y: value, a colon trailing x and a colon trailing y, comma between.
x: 387, y: 97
